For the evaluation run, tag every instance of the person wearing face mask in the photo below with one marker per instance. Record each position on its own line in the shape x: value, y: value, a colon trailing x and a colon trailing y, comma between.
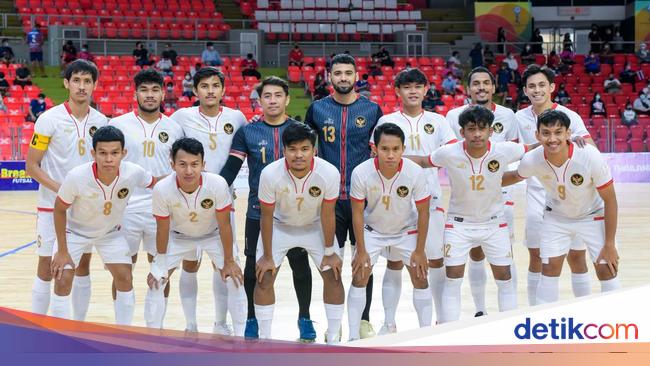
x: 592, y: 63
x: 188, y: 85
x: 628, y: 116
x: 527, y: 55
x: 643, y: 55
x: 641, y: 104
x: 6, y: 53
x: 628, y: 75
x: 170, y: 97
x: 511, y: 61
x: 597, y: 106
x: 562, y: 96
x: 450, y: 84
x: 617, y: 42
x: 85, y: 54
x: 594, y: 39
x: 612, y: 84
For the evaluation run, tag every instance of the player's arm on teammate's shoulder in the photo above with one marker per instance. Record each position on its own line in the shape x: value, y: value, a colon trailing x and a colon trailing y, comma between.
x: 511, y: 177
x: 581, y: 141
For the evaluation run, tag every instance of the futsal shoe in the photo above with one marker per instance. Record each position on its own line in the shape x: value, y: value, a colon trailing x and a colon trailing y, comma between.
x: 366, y: 330
x: 252, y: 330
x: 307, y: 331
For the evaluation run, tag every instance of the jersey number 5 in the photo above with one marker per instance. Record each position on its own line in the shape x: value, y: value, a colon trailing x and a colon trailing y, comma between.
x: 213, y: 141
x: 561, y: 190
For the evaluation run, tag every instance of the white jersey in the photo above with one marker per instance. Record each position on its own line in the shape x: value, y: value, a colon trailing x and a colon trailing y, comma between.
x: 67, y: 143
x: 504, y: 125
x: 391, y: 202
x: 476, y: 182
x: 148, y: 145
x: 215, y: 133
x: 298, y: 200
x: 193, y: 215
x: 98, y: 208
x: 423, y: 135
x: 571, y: 189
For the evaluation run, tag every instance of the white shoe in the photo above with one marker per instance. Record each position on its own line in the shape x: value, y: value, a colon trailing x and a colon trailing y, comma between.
x: 387, y: 329
x: 222, y: 329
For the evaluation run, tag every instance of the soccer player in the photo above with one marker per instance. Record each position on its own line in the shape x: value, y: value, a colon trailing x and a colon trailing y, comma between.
x: 344, y: 122
x: 149, y: 136
x: 214, y: 126
x: 260, y: 144
x: 298, y: 194
x: 580, y: 202
x: 539, y: 86
x: 195, y: 206
x: 424, y: 132
x: 481, y: 88
x: 390, y: 209
x: 87, y: 214
x: 60, y: 143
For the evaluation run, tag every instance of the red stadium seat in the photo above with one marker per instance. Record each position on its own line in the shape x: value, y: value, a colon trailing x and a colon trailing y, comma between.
x: 621, y: 146
x: 637, y: 145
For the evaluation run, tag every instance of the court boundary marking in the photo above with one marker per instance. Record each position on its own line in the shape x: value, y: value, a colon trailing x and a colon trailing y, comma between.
x: 16, y: 250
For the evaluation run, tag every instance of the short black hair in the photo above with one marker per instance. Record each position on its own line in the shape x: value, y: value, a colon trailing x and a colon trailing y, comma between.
x: 207, y: 72
x: 209, y: 44
x: 296, y: 132
x: 2, y: 74
x: 272, y: 80
x: 190, y: 145
x: 551, y: 117
x: 476, y: 114
x: 410, y: 76
x: 388, y: 129
x: 477, y: 70
x: 343, y: 58
x: 148, y: 76
x: 108, y: 134
x: 536, y: 69
x: 41, y: 95
x: 81, y: 66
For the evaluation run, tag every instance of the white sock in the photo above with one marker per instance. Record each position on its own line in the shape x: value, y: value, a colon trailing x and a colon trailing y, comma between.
x: 220, y: 293
x: 40, y: 296
x: 513, y: 273
x: 548, y: 290
x: 437, y: 284
x: 188, y: 289
x: 390, y: 292
x: 451, y: 299
x: 264, y: 315
x: 154, y: 307
x: 477, y: 282
x: 237, y: 306
x: 60, y: 306
x: 356, y: 303
x: 610, y: 285
x: 81, y: 291
x: 581, y: 284
x: 423, y: 303
x: 533, y: 281
x: 507, y: 295
x: 124, y: 307
x: 334, y: 314
x: 162, y: 321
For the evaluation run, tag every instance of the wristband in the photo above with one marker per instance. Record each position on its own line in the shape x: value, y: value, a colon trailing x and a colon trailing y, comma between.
x: 329, y: 251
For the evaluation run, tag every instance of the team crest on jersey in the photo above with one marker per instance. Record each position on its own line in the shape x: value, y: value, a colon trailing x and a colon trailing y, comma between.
x: 228, y: 128
x: 122, y: 193
x: 402, y: 191
x: 493, y: 166
x: 577, y: 179
x: 360, y: 121
x: 314, y: 191
x: 329, y: 121
x: 92, y: 130
x: 428, y: 128
x: 207, y: 203
x: 497, y: 127
x: 163, y: 137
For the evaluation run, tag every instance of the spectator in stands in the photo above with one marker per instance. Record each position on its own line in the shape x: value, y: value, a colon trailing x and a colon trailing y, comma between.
x: 594, y: 39
x: 254, y: 98
x: 628, y: 76
x: 607, y: 35
x: 554, y: 62
x: 210, y: 55
x: 567, y: 43
x: 188, y: 85
x: 296, y: 56
x: 374, y: 69
x: 170, y: 53
x: 597, y: 106
x: 488, y: 56
x: 643, y: 55
x: 617, y: 42
x: 511, y: 61
x: 195, y: 68
x: 4, y: 85
x: 23, y: 77
x: 6, y: 53
x: 328, y: 63
x: 249, y: 67
x: 35, y: 43
x: 504, y: 77
x: 562, y: 96
x: 628, y: 116
x: 36, y: 107
x: 450, y: 84
x: 455, y: 59
x: 501, y: 40
x: 407, y: 66
x: 432, y: 98
x: 363, y: 86
x: 3, y: 107
x: 537, y: 42
x: 68, y: 54
x: 522, y: 99
x: 527, y: 56
x: 85, y: 54
x: 320, y: 87
x: 592, y: 64
x: 452, y: 68
x: 612, y: 84
x: 476, y: 55
x: 384, y: 57
x: 141, y: 55
x: 641, y: 103
x: 606, y: 55
x: 164, y: 65
x: 171, y: 99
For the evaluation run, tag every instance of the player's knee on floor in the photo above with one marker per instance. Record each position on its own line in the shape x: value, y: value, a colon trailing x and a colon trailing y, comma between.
x: 436, y: 263
x: 477, y: 254
x: 577, y: 260
x: 191, y: 266
x: 455, y: 271
x: 395, y: 265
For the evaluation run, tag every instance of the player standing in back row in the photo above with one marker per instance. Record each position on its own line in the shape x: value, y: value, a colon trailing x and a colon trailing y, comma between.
x: 344, y: 122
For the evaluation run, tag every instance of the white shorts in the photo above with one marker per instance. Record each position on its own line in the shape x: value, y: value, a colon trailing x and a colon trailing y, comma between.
x: 433, y: 248
x: 185, y: 248
x: 309, y: 237
x: 140, y: 227
x: 397, y: 247
x: 45, y: 234
x: 112, y: 247
x: 493, y: 237
x: 560, y: 233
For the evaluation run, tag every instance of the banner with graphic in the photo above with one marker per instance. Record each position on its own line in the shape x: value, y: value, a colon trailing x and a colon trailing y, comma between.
x: 514, y: 17
x: 13, y: 177
x: 642, y: 21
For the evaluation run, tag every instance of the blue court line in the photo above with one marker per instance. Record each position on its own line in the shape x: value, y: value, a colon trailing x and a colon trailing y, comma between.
x: 16, y: 250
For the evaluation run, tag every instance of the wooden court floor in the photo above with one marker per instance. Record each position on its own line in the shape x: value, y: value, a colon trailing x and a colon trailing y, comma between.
x: 18, y: 265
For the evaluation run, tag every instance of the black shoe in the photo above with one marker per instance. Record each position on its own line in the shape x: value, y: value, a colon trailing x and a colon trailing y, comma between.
x: 480, y: 313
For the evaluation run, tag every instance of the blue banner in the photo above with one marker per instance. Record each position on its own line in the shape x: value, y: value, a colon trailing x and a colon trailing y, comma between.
x: 13, y: 177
